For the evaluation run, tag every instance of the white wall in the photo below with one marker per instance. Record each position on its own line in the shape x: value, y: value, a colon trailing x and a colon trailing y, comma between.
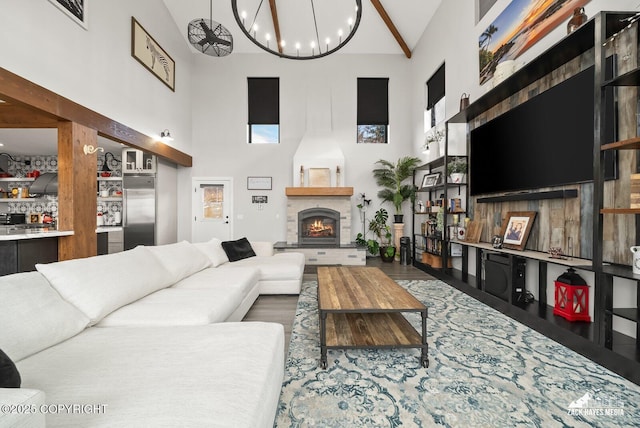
x: 95, y: 68
x: 220, y: 127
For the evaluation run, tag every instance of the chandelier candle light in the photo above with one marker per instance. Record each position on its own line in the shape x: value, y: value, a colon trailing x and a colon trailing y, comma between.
x: 303, y: 29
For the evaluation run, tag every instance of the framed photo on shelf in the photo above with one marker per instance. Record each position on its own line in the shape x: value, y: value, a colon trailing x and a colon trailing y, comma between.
x: 430, y: 180
x: 516, y: 229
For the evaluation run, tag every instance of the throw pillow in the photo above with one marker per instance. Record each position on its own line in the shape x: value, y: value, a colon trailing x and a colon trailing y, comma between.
x: 238, y: 250
x: 9, y: 376
x: 213, y: 249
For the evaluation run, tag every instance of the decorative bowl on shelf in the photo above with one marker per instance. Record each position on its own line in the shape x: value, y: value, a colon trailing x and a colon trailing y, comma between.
x: 105, y: 174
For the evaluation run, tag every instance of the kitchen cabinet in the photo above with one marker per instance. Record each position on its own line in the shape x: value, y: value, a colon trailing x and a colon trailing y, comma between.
x: 22, y: 255
x: 136, y: 161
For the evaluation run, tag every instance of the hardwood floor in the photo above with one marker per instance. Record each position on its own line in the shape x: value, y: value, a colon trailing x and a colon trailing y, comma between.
x: 282, y: 308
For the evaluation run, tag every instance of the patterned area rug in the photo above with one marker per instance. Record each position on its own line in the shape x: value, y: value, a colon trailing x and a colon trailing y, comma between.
x: 486, y: 370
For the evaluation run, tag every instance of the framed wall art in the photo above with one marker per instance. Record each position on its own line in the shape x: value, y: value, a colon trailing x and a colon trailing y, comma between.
x: 74, y: 9
x: 149, y: 53
x: 516, y: 229
x: 518, y: 27
x: 259, y: 183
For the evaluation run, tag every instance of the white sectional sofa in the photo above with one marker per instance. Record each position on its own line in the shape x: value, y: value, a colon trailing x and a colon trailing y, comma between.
x: 146, y: 337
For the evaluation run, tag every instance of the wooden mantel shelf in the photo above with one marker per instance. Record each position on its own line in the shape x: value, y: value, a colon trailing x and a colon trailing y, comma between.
x: 319, y: 191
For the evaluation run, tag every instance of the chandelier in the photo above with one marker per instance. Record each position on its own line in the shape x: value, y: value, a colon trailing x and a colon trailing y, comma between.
x: 298, y: 29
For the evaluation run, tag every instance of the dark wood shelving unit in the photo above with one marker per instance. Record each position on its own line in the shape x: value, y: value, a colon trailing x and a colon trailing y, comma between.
x: 596, y: 340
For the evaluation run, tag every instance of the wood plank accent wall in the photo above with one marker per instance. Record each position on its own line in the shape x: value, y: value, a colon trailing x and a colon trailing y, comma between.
x: 77, y: 190
x: 559, y: 220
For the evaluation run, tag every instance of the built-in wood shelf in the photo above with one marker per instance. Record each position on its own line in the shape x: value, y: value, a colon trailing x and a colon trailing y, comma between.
x: 620, y: 211
x: 630, y: 144
x: 319, y: 191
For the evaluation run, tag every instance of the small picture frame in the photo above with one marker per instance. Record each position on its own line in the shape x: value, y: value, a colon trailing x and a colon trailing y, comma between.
x: 516, y: 228
x: 148, y: 52
x: 430, y: 180
x: 259, y: 183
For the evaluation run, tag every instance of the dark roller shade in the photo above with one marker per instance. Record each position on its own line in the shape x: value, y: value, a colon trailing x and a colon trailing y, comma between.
x: 435, y: 87
x: 264, y: 100
x: 373, y: 101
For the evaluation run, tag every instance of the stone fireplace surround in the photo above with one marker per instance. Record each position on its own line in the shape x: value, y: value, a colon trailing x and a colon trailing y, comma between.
x: 342, y: 204
x: 335, y: 198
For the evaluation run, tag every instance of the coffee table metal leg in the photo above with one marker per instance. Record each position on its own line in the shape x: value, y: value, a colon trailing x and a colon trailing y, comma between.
x: 323, y: 339
x: 424, y: 359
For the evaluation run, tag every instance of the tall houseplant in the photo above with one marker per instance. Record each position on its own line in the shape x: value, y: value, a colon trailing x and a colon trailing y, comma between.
x: 391, y: 177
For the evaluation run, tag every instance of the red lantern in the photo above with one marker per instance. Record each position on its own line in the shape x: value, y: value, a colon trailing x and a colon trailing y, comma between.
x: 572, y: 297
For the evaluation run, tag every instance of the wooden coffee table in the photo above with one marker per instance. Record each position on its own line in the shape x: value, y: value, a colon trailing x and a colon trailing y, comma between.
x: 361, y: 307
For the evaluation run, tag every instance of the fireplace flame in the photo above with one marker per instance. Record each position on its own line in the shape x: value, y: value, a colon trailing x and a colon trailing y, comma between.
x: 318, y: 229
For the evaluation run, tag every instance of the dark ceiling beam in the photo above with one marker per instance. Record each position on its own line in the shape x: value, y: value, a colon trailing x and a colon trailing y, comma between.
x: 276, y: 24
x: 26, y: 94
x: 390, y: 25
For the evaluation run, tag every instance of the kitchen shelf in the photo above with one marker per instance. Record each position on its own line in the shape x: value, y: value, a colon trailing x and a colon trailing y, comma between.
x: 5, y: 179
x: 109, y: 178
x: 110, y: 199
x: 7, y: 200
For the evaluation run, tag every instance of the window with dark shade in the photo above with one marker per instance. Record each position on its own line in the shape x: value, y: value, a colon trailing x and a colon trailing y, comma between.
x: 373, y: 110
x: 435, y: 87
x: 264, y: 110
x: 435, y: 100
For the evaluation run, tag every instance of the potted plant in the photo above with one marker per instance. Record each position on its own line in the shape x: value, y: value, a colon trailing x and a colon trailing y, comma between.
x: 382, y: 245
x: 391, y: 177
x: 456, y: 169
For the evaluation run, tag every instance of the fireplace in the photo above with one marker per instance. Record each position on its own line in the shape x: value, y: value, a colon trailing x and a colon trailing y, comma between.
x: 319, y: 226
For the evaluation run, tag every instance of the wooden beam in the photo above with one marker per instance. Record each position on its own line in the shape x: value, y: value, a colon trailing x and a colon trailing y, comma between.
x: 390, y: 25
x: 14, y: 116
x: 77, y: 188
x: 276, y: 24
x: 20, y: 91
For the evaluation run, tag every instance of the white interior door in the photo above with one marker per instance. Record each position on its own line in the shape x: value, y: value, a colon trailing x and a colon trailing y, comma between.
x: 212, y: 208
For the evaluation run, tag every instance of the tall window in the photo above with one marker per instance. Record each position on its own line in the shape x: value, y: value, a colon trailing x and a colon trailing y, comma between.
x: 435, y: 108
x: 264, y: 110
x: 373, y: 110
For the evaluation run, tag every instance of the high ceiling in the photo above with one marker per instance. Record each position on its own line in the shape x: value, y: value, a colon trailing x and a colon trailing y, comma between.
x: 410, y: 17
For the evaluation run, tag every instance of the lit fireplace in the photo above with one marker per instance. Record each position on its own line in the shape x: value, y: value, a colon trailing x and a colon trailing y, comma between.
x: 319, y: 226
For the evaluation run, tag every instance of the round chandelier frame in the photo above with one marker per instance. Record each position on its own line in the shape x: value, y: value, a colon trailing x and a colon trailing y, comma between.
x: 296, y: 49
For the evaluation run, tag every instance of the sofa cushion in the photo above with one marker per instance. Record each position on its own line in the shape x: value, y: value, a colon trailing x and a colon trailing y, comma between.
x: 218, y: 375
x: 181, y: 259
x: 33, y: 316
x: 99, y: 285
x: 222, y: 278
x: 213, y: 249
x: 175, y: 306
x: 9, y: 376
x: 278, y: 267
x: 238, y: 250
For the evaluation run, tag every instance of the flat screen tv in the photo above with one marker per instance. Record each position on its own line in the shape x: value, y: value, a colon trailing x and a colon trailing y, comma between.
x: 544, y: 142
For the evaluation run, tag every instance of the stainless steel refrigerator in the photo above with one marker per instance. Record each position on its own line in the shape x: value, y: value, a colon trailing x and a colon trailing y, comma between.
x: 139, y: 210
